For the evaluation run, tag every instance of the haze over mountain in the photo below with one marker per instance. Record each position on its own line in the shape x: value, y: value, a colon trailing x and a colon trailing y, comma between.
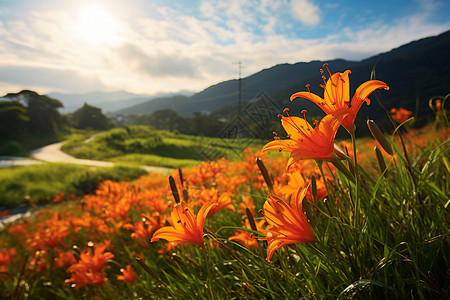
x: 417, y: 70
x: 107, y: 101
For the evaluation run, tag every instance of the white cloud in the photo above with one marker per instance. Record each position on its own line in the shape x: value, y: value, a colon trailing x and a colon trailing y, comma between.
x: 170, y: 50
x: 305, y: 12
x: 64, y: 79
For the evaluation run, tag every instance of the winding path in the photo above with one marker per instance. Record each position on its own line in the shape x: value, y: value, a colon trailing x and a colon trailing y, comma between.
x: 53, y: 153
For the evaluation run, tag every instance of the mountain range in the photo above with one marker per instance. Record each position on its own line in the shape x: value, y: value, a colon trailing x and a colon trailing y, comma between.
x: 414, y: 72
x: 107, y: 101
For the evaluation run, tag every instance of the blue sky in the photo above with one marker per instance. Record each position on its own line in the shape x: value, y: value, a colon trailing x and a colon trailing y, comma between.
x: 148, y: 47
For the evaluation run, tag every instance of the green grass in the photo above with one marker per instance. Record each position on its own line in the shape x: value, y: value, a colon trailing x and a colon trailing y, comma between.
x: 142, y: 144
x: 155, y: 160
x: 38, y: 184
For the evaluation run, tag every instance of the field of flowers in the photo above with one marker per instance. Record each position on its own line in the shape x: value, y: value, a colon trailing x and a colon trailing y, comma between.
x: 363, y: 219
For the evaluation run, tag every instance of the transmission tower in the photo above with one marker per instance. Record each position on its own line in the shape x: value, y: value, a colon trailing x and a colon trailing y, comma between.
x: 239, y: 96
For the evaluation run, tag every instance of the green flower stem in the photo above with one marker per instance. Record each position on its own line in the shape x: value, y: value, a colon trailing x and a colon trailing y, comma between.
x: 357, y: 200
x: 205, y: 250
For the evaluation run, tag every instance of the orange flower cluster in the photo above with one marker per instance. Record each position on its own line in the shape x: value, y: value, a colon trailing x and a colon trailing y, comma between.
x: 400, y: 114
x: 6, y: 256
x: 288, y: 223
x: 89, y: 269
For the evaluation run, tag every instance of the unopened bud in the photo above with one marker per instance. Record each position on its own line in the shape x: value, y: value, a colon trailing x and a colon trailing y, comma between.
x: 341, y: 167
x: 265, y: 173
x: 174, y: 189
x: 339, y: 153
x: 147, y: 268
x: 251, y: 220
x: 180, y: 173
x: 380, y: 160
x: 379, y: 136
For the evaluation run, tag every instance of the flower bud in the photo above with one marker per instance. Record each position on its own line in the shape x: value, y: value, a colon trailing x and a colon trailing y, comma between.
x: 251, y: 220
x: 174, y: 189
x: 265, y: 173
x: 380, y: 160
x: 379, y: 136
x: 339, y: 153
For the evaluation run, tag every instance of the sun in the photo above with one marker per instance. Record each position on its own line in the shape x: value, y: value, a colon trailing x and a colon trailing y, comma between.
x: 96, y: 25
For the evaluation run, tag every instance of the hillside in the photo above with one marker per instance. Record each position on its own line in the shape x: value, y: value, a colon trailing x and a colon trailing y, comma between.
x: 226, y: 93
x: 418, y: 70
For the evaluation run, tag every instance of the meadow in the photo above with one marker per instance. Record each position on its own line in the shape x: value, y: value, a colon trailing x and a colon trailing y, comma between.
x: 366, y: 220
x: 141, y: 144
x: 39, y: 184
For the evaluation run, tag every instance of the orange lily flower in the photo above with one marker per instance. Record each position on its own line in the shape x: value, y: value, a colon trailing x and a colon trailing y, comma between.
x: 89, y: 269
x: 401, y: 114
x: 127, y: 274
x: 247, y: 202
x: 212, y: 195
x: 64, y: 258
x: 306, y: 142
x: 245, y: 238
x: 186, y: 226
x: 297, y: 181
x: 289, y: 223
x: 6, y: 256
x: 337, y: 95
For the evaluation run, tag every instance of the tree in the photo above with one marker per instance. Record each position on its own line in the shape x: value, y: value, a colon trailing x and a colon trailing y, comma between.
x: 13, y: 118
x: 90, y: 117
x: 44, y: 118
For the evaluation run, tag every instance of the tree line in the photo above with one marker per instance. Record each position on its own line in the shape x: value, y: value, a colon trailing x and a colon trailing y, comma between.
x: 29, y: 120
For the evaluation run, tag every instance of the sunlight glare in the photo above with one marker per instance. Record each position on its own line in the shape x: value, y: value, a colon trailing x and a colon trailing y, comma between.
x: 97, y: 26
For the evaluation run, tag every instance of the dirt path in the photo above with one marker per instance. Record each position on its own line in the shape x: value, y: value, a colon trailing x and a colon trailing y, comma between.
x: 53, y: 153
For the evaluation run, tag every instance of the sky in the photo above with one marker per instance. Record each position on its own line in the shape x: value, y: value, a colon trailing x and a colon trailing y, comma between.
x: 163, y: 46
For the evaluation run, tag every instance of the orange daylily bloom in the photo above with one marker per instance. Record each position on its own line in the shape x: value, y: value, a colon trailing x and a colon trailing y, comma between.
x: 400, y: 114
x: 127, y: 274
x: 6, y: 256
x: 64, y: 259
x: 186, y: 226
x: 337, y: 96
x: 306, y: 142
x: 297, y: 181
x: 289, y: 223
x: 212, y: 195
x: 247, y: 202
x: 144, y: 228
x: 89, y: 269
x: 245, y: 238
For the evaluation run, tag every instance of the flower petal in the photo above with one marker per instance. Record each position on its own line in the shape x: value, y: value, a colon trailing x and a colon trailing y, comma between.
x: 168, y: 233
x: 365, y: 89
x: 314, y: 98
x: 202, y: 213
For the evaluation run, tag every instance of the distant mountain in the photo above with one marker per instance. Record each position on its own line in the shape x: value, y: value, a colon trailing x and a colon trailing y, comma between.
x: 414, y: 72
x: 107, y: 101
x: 226, y: 93
x: 418, y: 70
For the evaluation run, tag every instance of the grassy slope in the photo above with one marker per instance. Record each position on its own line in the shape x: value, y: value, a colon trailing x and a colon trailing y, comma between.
x: 140, y: 144
x: 40, y: 183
